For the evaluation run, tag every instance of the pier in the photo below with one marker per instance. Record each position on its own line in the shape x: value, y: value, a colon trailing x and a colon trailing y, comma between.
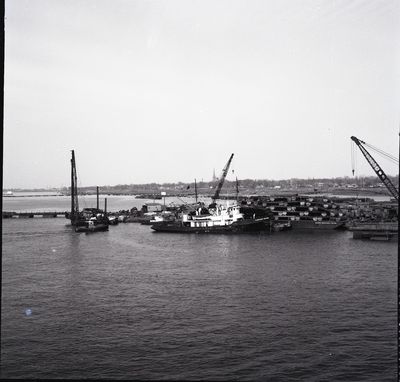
x: 375, y: 231
x: 35, y: 214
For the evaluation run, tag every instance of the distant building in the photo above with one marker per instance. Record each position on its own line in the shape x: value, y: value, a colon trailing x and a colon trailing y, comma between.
x: 214, y: 178
x: 153, y: 207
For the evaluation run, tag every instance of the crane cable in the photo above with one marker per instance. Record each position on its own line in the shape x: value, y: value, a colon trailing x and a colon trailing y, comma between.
x: 233, y: 171
x: 388, y: 156
x: 391, y: 157
x: 353, y: 157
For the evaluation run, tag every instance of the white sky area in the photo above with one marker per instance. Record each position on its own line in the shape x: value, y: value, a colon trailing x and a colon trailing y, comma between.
x: 165, y: 91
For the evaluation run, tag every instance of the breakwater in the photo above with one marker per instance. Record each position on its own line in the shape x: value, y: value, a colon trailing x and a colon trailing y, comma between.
x: 36, y: 214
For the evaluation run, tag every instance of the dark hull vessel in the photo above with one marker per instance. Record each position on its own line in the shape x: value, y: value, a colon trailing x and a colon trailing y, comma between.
x: 87, y: 227
x: 237, y: 227
x: 90, y: 220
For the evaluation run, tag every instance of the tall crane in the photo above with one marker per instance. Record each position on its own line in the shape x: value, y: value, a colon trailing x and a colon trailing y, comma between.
x: 375, y: 166
x: 221, y: 181
x: 74, y: 191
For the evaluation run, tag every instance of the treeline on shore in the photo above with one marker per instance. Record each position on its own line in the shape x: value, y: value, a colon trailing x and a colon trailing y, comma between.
x: 245, y: 186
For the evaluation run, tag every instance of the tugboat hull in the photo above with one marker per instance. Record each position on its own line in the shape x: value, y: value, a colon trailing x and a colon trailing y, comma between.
x: 318, y: 225
x: 95, y: 228
x: 237, y: 227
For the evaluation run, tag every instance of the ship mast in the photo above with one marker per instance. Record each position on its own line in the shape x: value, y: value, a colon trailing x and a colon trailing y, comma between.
x: 74, y: 191
x: 195, y: 189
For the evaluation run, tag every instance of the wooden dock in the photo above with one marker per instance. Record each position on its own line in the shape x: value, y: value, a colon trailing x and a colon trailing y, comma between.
x: 375, y: 231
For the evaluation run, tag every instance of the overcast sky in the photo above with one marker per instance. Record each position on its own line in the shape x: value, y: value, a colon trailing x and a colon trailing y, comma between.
x: 165, y: 91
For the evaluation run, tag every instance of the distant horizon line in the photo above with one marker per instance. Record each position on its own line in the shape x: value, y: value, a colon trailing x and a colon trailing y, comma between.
x: 198, y: 181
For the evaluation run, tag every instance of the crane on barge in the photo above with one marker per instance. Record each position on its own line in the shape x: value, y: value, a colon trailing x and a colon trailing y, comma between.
x: 74, y: 215
x: 221, y: 182
x: 375, y: 166
x: 89, y: 219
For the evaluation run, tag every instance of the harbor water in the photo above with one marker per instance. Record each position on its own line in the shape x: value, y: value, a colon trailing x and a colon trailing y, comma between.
x: 135, y: 304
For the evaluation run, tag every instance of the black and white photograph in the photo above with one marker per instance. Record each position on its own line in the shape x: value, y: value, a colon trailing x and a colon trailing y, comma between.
x: 200, y: 190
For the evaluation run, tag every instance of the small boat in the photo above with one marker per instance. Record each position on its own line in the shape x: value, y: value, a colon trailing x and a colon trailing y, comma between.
x: 282, y: 226
x: 92, y: 220
x: 91, y: 225
x: 122, y: 218
x: 166, y: 216
x: 113, y: 220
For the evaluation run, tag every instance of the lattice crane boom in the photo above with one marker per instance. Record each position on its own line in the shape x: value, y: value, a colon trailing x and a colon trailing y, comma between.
x: 74, y: 191
x: 222, y: 179
x: 378, y: 170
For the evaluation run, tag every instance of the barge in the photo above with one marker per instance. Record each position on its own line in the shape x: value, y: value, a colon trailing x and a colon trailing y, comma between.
x: 301, y: 212
x: 375, y: 230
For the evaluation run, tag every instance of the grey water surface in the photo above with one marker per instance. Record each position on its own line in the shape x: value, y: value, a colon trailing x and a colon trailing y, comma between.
x: 134, y: 304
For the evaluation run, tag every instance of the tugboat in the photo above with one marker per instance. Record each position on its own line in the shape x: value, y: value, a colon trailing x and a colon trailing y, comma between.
x: 221, y: 219
x: 217, y: 218
x: 89, y: 219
